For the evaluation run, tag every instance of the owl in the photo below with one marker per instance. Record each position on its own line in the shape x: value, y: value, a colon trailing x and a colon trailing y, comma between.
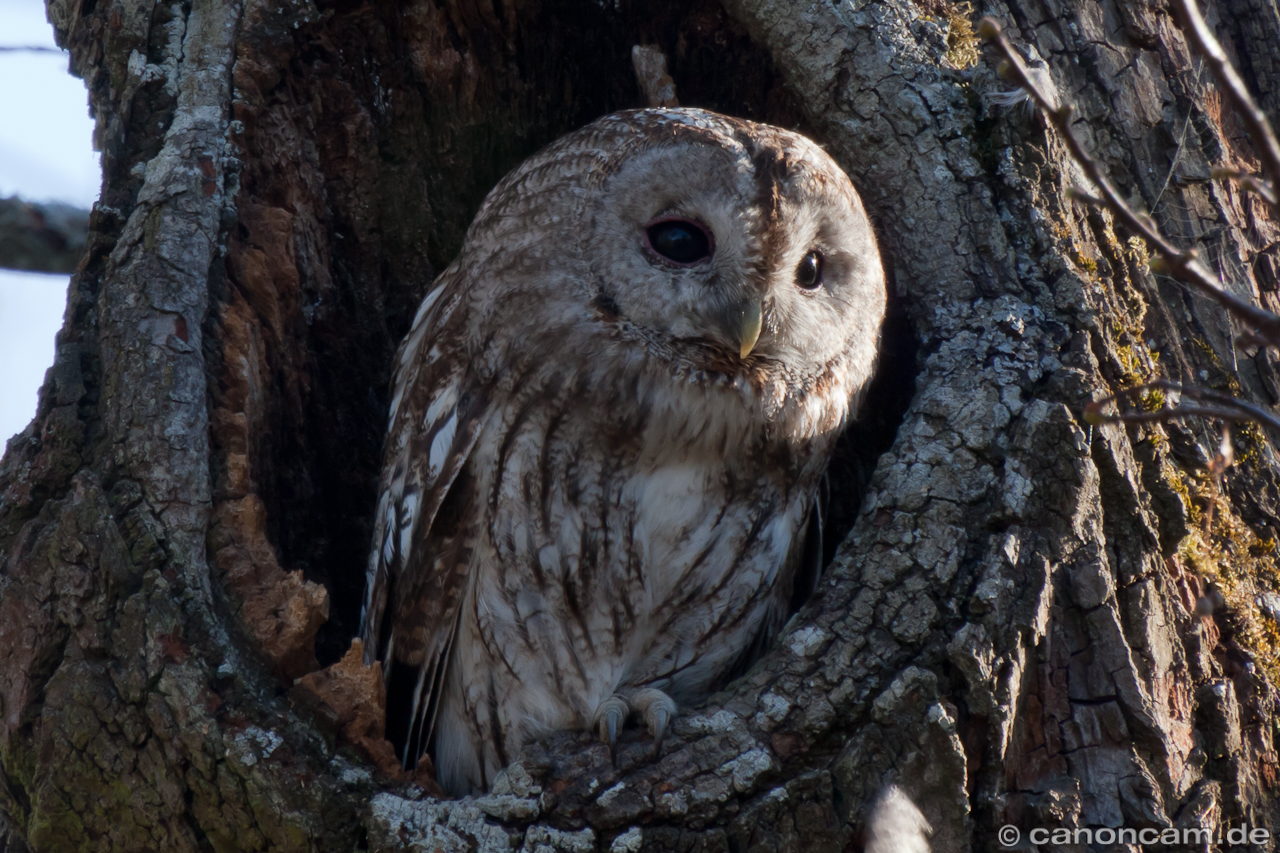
x: 609, y: 427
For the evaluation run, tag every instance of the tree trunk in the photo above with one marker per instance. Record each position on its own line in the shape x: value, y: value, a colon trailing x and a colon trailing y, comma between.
x: 1030, y: 622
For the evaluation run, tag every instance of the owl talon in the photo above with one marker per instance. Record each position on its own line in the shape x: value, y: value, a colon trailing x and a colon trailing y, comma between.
x: 659, y: 728
x: 658, y: 709
x: 610, y: 716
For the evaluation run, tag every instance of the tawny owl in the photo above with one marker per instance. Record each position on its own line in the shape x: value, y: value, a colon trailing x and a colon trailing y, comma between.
x: 609, y: 425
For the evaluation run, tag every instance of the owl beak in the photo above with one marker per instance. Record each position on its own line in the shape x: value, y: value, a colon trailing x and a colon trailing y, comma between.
x: 748, y: 325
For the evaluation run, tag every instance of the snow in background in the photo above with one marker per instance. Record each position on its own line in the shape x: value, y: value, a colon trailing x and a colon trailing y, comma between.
x: 46, y: 154
x: 31, y: 306
x: 46, y: 135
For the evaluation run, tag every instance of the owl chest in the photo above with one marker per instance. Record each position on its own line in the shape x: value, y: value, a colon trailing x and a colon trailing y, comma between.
x: 596, y: 570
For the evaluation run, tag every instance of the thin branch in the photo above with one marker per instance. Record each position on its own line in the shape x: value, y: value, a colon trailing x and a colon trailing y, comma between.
x: 1219, y: 405
x: 1260, y: 130
x: 1251, y: 183
x: 32, y: 48
x: 1262, y: 327
x: 1182, y: 138
x: 1182, y: 264
x: 41, y: 237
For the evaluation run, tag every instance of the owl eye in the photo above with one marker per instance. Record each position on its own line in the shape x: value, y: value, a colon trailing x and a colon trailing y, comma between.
x: 809, y: 273
x: 679, y: 240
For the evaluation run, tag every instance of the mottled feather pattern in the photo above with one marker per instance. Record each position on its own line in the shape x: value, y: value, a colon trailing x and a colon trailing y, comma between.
x: 591, y: 485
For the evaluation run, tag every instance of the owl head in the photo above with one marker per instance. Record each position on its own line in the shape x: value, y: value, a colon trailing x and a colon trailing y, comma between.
x: 734, y: 248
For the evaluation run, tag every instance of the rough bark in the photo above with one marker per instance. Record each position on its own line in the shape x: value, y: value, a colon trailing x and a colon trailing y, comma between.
x: 1027, y: 624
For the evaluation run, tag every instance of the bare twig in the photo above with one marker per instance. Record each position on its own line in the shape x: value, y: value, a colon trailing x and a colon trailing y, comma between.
x: 1222, y: 460
x: 1249, y: 182
x: 1182, y: 264
x: 1182, y: 138
x: 1210, y: 403
x: 41, y: 237
x: 1222, y: 406
x: 29, y: 48
x: 1261, y: 327
x: 1260, y: 130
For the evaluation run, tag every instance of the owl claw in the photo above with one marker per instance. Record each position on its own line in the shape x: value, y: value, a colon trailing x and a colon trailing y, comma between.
x: 658, y: 709
x: 610, y: 716
x: 658, y: 727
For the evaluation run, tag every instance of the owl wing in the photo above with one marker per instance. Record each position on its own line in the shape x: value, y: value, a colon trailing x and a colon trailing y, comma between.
x: 417, y: 573
x: 803, y: 566
x: 811, y: 550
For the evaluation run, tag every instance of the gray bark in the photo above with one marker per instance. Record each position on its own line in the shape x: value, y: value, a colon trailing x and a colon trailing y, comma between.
x: 1028, y: 623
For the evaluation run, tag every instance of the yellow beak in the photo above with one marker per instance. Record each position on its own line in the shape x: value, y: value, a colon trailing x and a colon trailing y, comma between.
x: 749, y: 326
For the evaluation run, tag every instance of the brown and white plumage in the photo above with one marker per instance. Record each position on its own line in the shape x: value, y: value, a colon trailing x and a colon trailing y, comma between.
x: 597, y: 479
